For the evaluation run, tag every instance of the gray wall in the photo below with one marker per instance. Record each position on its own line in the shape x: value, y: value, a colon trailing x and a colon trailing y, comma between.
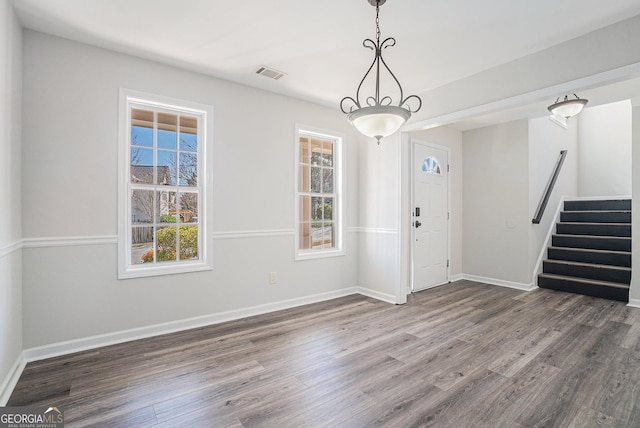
x: 70, y: 194
x: 496, y: 202
x: 604, y: 152
x: 10, y: 194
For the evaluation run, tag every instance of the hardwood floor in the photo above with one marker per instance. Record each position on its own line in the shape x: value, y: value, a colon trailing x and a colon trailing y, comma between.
x: 460, y: 355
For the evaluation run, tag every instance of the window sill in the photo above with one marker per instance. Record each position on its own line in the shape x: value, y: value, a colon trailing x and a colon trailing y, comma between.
x: 142, y: 271
x: 311, y: 255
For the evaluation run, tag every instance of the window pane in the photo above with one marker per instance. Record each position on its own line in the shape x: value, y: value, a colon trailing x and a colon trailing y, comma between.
x: 327, y: 154
x: 188, y: 169
x: 166, y: 140
x: 141, y: 165
x: 142, y: 127
x: 303, y: 178
x: 431, y: 166
x: 166, y: 244
x: 141, y: 245
x: 166, y: 206
x: 167, y: 130
x: 304, y: 150
x: 141, y: 136
x: 316, y: 178
x: 166, y: 167
x: 327, y: 180
x: 188, y: 133
x: 188, y: 207
x: 316, y: 208
x: 328, y: 235
x: 316, y: 235
x: 142, y: 206
x: 305, y: 213
x: 316, y: 152
x: 305, y: 241
x: 328, y: 208
x: 188, y: 242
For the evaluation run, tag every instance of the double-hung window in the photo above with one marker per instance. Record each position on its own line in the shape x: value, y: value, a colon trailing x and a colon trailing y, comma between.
x: 163, y: 200
x: 319, y: 213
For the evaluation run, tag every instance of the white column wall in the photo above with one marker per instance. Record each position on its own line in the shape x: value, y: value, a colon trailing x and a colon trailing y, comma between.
x: 634, y: 292
x: 379, y: 206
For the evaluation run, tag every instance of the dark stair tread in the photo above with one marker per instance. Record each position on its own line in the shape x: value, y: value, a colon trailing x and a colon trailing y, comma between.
x: 590, y: 250
x: 599, y: 242
x: 591, y: 265
x: 584, y: 280
x: 584, y: 223
x: 598, y: 204
x: 570, y: 235
x: 596, y: 211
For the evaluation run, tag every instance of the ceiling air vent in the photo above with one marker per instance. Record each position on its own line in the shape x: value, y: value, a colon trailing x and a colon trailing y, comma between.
x: 270, y: 72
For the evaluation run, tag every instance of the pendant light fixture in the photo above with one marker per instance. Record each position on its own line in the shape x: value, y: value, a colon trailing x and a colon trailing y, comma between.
x: 378, y: 117
x: 568, y: 107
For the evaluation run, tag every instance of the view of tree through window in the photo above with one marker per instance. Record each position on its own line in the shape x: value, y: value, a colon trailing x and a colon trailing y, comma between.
x: 164, y: 186
x: 317, y: 193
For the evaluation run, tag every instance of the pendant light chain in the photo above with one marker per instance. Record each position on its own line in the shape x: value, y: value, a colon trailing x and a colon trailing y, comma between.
x: 378, y: 22
x: 378, y: 53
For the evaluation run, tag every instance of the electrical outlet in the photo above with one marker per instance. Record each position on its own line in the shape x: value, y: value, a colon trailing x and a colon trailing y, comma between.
x: 273, y: 277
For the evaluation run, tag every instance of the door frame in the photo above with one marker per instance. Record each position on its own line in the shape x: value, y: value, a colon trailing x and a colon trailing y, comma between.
x: 412, y: 143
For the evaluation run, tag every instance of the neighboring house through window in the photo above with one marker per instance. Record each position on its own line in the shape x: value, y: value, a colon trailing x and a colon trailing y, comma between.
x: 319, y: 212
x: 163, y: 187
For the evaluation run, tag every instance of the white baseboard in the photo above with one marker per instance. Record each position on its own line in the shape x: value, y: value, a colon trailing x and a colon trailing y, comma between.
x: 377, y: 295
x: 634, y: 303
x: 502, y: 283
x: 83, y: 344
x: 10, y: 382
x: 458, y: 277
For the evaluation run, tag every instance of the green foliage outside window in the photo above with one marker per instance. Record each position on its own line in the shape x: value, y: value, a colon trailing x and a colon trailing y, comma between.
x: 166, y: 244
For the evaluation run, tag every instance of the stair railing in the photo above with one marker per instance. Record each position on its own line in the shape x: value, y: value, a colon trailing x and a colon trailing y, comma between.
x: 550, y: 185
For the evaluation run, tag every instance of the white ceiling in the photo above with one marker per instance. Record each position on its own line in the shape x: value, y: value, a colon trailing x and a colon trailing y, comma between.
x: 319, y: 44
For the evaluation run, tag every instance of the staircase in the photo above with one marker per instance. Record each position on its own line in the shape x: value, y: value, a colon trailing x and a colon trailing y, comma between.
x: 590, y: 252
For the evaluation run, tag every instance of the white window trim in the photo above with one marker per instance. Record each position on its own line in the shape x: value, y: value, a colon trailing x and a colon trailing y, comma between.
x: 339, y: 214
x: 205, y: 160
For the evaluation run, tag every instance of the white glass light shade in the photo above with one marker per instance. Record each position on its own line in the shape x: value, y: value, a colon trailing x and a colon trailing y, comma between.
x: 379, y: 121
x: 567, y: 108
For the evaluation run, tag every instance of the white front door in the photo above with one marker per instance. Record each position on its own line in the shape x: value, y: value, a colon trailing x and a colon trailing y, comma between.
x: 430, y: 216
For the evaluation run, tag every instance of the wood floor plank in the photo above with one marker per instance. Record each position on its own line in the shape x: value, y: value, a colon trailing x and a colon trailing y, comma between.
x: 509, y: 363
x: 620, y: 390
x: 589, y: 418
x: 504, y: 406
x: 456, y: 407
x: 558, y: 403
x: 463, y: 354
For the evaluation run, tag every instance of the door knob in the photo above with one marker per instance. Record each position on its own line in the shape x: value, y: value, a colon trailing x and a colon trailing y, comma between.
x: 418, y: 224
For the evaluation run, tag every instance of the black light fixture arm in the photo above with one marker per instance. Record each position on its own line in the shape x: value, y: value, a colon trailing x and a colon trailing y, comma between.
x: 375, y: 101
